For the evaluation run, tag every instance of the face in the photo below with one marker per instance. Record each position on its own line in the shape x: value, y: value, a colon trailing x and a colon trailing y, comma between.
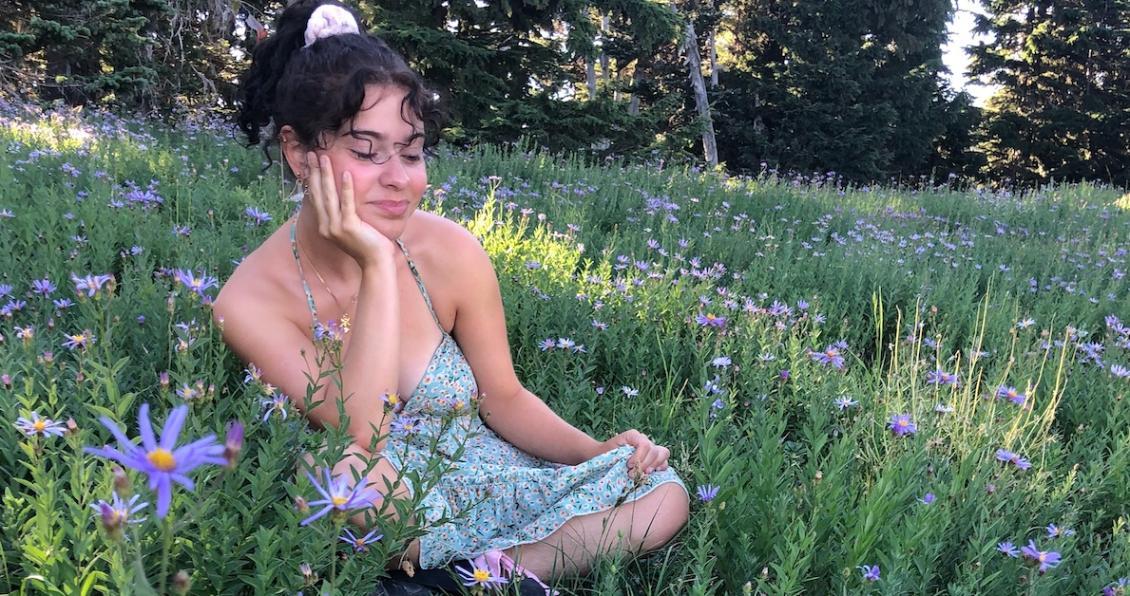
x: 383, y: 150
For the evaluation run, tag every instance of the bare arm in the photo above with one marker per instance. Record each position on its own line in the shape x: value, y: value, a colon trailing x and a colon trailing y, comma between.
x: 286, y: 353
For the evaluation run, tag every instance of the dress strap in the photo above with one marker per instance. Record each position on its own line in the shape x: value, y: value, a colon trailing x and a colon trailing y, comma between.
x: 302, y: 276
x: 420, y: 282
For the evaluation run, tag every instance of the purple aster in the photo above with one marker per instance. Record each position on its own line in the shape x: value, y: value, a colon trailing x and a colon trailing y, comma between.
x: 62, y: 303
x: 1011, y: 394
x: 198, y: 285
x: 547, y: 344
x: 927, y: 499
x: 404, y: 425
x: 162, y: 461
x: 870, y: 572
x: 79, y: 341
x: 480, y: 575
x: 277, y: 403
x: 1055, y: 531
x: 1120, y: 372
x: 361, y: 544
x: 833, y: 355
x: 119, y: 512
x: 721, y: 362
x: 1045, y: 559
x: 707, y: 492
x: 233, y: 443
x: 844, y: 402
x: 257, y: 217
x: 1119, y: 587
x: 43, y: 287
x: 941, y: 377
x: 36, y: 426
x: 1013, y: 458
x: 90, y: 284
x: 710, y: 320
x: 1008, y: 548
x: 902, y: 425
x: 339, y: 496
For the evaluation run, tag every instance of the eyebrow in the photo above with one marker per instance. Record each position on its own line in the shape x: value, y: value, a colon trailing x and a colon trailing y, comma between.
x: 378, y: 136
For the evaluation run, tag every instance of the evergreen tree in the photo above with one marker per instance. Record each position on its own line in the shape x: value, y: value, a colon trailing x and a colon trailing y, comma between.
x: 1063, y: 110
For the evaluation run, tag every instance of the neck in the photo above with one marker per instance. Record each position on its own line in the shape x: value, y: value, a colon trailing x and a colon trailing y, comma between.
x: 337, y: 267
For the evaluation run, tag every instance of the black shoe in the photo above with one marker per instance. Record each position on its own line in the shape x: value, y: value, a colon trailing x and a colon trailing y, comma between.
x: 429, y: 582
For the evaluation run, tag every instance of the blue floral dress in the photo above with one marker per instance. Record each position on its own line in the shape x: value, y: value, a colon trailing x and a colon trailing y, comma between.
x: 495, y: 496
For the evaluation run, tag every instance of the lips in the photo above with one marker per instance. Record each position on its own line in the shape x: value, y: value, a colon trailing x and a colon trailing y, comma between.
x: 392, y: 207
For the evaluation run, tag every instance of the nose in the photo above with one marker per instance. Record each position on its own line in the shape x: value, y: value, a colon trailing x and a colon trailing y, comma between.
x: 393, y: 173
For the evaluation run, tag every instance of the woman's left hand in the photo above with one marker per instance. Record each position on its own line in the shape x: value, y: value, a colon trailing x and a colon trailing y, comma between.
x: 647, y: 458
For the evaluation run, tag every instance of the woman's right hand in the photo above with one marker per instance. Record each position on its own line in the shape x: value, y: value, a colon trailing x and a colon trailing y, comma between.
x: 337, y: 215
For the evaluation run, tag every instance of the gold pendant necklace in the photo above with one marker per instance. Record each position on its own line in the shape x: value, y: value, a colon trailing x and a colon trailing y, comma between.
x: 323, y: 281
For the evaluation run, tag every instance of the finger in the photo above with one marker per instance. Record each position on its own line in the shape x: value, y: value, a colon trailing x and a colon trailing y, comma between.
x: 348, y: 206
x: 329, y: 194
x: 313, y: 183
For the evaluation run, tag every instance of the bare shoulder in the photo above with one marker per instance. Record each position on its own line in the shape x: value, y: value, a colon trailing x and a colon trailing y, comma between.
x: 255, y: 295
x: 451, y: 249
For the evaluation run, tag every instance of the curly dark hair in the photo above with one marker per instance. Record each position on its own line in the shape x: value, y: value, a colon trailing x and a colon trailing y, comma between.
x: 318, y: 88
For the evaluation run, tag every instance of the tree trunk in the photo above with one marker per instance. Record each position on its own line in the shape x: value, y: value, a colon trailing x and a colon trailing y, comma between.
x: 712, y: 42
x: 590, y: 76
x: 702, y: 104
x: 638, y: 75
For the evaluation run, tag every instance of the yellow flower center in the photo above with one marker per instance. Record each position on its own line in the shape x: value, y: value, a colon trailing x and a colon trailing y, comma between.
x: 710, y: 317
x: 162, y: 459
x: 39, y: 425
x: 482, y: 575
x: 338, y: 501
x: 393, y: 399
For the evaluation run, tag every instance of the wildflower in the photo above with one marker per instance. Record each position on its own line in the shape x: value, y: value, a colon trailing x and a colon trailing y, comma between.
x: 870, y: 572
x: 277, y: 403
x: 1119, y: 372
x: 1055, y: 531
x: 392, y: 401
x: 257, y: 216
x: 783, y: 375
x: 361, y: 544
x: 43, y: 287
x: 707, y: 492
x: 1011, y: 394
x: 192, y: 392
x: 233, y: 443
x: 629, y: 391
x: 182, y: 583
x: 844, y: 402
x: 547, y: 344
x: 721, y: 362
x: 831, y: 356
x: 943, y: 409
x: 197, y: 285
x: 718, y: 404
x: 927, y: 499
x: 309, y: 577
x: 26, y: 334
x: 338, y: 496
x: 162, y: 461
x: 902, y: 425
x: 91, y: 284
x: 1045, y: 559
x: 404, y: 425
x: 1009, y: 549
x: 479, y: 574
x: 941, y: 377
x: 1119, y: 587
x: 1013, y: 458
x: 79, y: 341
x: 710, y: 320
x: 36, y: 426
x: 118, y: 512
x: 1026, y: 323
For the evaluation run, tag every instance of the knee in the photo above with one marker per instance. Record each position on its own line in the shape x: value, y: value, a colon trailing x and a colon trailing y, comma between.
x: 671, y: 512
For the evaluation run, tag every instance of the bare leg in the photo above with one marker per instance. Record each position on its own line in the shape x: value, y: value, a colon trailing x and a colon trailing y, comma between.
x: 634, y: 528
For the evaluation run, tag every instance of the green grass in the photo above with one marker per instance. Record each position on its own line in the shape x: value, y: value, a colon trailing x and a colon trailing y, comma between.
x: 911, y: 280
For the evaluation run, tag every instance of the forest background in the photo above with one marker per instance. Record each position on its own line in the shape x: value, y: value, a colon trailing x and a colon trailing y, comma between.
x: 852, y: 88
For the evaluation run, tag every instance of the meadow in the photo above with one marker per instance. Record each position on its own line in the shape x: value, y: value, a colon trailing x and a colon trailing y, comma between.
x: 907, y: 389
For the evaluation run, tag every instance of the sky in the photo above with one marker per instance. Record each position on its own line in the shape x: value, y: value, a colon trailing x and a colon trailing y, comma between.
x: 961, y: 36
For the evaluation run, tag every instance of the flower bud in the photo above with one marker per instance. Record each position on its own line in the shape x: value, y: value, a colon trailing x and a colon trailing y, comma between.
x: 182, y: 582
x: 300, y: 505
x: 234, y: 443
x: 111, y: 521
x: 72, y: 427
x: 309, y: 578
x: 163, y: 378
x: 121, y: 482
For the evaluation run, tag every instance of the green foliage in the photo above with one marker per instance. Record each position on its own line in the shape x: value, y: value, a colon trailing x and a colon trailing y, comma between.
x: 623, y: 262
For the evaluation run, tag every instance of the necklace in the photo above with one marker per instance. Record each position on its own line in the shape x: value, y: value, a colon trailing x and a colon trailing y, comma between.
x: 323, y: 280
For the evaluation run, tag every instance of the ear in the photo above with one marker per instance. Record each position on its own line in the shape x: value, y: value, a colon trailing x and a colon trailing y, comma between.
x: 293, y: 151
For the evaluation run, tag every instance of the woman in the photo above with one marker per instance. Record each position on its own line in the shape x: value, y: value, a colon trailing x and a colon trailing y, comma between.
x: 425, y: 320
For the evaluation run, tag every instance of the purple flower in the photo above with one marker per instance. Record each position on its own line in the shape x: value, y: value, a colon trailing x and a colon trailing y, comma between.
x: 707, y: 492
x: 831, y: 356
x: 1011, y: 394
x: 870, y: 572
x: 361, y: 544
x: 710, y: 320
x: 257, y: 217
x: 844, y: 402
x: 1055, y: 531
x: 547, y: 344
x: 927, y: 499
x: 79, y: 341
x: 339, y: 496
x: 721, y: 362
x: 902, y: 425
x: 1119, y: 372
x: 1118, y: 587
x: 480, y: 574
x: 198, y: 285
x: 233, y: 443
x: 36, y: 426
x: 162, y: 461
x: 1008, y: 548
x: 277, y: 403
x: 90, y: 284
x: 1045, y: 559
x: 404, y: 425
x: 119, y: 512
x: 43, y: 287
x: 941, y: 377
x: 1013, y: 458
